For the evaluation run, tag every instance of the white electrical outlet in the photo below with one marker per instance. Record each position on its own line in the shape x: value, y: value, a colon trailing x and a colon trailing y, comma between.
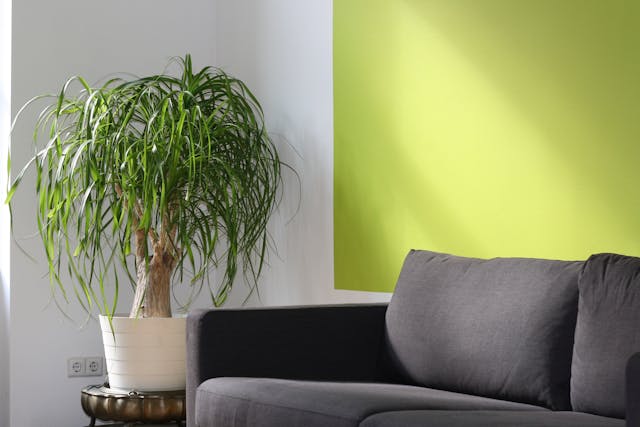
x: 93, y: 366
x: 85, y: 366
x: 75, y: 367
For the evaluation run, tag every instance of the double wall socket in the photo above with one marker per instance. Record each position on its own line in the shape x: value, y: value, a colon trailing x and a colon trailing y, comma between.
x: 85, y: 366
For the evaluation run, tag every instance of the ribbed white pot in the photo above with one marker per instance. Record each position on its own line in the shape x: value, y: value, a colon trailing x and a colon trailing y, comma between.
x: 145, y: 354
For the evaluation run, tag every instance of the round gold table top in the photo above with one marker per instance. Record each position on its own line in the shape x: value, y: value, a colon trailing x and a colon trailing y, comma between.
x: 104, y: 403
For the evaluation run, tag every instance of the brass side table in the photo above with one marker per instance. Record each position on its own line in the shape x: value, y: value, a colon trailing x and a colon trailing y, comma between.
x: 101, y: 402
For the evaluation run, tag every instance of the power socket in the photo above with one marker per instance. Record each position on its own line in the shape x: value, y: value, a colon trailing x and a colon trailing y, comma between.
x: 85, y: 366
x: 93, y: 366
x: 76, y: 367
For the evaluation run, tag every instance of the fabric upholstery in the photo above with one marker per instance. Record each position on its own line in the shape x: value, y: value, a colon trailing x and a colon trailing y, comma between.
x: 488, y: 419
x: 501, y: 328
x: 337, y: 342
x: 633, y: 390
x: 607, y: 333
x: 264, y: 402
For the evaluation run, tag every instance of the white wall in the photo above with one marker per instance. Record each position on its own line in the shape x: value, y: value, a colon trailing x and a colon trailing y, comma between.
x: 53, y: 40
x: 283, y: 50
x: 5, y: 119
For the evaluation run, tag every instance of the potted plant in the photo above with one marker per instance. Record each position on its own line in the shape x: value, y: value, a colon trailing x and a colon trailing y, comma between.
x: 156, y: 177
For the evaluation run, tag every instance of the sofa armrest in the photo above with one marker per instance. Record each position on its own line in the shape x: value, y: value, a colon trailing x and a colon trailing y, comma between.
x: 339, y: 342
x: 633, y: 391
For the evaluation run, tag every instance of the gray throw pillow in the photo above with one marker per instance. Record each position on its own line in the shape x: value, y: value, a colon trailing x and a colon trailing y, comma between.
x: 607, y: 333
x: 500, y: 328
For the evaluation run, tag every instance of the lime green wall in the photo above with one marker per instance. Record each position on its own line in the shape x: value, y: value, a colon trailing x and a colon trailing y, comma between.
x: 483, y: 128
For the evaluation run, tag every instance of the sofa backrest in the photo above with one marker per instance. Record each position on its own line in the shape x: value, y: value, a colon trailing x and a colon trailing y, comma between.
x: 607, y: 333
x: 499, y: 328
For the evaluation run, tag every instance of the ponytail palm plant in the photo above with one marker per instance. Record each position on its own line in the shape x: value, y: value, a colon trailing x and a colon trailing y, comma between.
x: 161, y: 175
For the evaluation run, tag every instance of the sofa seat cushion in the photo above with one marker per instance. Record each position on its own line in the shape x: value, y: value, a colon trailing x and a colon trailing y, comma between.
x: 262, y: 402
x: 488, y: 419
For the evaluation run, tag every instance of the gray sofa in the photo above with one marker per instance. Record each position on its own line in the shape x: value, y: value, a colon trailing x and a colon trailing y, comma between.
x: 463, y: 342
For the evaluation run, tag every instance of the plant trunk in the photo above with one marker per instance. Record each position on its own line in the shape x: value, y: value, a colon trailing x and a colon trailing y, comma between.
x: 153, y: 284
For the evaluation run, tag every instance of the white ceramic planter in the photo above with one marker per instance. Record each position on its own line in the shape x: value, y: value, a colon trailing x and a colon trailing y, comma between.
x: 145, y: 354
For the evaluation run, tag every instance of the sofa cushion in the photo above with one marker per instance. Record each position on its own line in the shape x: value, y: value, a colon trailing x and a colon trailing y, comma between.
x: 607, y: 333
x: 264, y: 402
x: 488, y: 419
x: 500, y: 328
